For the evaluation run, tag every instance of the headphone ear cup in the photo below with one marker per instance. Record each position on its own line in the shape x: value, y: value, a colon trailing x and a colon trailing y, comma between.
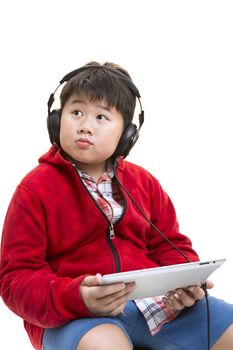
x: 127, y: 141
x: 53, y: 125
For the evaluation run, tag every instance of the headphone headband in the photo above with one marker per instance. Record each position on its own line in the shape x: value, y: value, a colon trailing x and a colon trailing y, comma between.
x: 75, y: 72
x: 95, y: 66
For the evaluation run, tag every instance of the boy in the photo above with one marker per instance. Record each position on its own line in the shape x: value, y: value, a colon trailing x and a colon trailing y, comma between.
x: 69, y: 221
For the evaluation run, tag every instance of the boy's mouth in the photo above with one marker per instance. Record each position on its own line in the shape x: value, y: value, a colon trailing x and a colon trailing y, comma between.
x: 84, y: 143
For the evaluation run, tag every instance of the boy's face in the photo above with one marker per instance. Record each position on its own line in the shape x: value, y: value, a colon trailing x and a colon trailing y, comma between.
x: 90, y: 131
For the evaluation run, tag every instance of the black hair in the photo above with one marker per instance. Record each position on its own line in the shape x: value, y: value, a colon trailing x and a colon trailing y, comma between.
x: 99, y: 84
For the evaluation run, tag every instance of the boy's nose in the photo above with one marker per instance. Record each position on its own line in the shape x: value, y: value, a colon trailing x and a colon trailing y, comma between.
x: 83, y: 130
x: 85, y: 127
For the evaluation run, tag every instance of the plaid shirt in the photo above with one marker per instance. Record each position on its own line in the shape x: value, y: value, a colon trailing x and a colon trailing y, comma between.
x: 105, y: 193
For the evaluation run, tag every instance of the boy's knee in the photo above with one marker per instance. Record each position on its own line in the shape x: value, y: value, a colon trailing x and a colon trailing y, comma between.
x: 105, y: 336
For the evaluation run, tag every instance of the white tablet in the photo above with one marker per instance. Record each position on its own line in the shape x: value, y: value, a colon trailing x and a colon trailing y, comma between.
x: 160, y: 280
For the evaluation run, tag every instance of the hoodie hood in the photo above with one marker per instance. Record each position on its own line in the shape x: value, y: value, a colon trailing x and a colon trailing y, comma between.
x: 56, y: 156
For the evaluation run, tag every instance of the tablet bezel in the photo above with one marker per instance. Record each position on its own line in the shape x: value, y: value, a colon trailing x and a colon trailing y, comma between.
x: 167, y: 277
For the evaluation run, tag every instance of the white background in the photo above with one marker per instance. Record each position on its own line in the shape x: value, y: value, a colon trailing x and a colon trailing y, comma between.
x: 180, y: 56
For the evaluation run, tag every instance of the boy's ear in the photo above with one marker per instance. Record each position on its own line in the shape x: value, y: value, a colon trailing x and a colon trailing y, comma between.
x: 53, y: 125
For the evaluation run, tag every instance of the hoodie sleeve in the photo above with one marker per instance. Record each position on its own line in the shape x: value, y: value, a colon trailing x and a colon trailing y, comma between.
x: 27, y: 285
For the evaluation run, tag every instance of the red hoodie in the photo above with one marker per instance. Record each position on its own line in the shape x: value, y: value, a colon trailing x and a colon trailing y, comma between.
x: 54, y: 235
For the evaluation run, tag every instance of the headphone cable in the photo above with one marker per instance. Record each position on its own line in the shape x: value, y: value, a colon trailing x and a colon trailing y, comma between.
x: 145, y: 217
x: 203, y: 286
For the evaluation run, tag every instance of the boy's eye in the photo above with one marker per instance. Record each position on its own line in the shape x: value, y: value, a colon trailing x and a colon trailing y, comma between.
x: 101, y: 117
x: 77, y: 113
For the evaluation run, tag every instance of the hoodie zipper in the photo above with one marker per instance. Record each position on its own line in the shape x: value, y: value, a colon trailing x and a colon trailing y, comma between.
x: 110, y: 237
x: 110, y: 231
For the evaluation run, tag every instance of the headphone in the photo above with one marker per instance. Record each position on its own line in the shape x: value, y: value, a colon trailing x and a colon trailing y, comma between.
x: 131, y: 131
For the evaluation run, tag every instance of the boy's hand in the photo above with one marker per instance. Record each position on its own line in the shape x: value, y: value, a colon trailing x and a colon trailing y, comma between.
x: 181, y: 298
x: 108, y: 300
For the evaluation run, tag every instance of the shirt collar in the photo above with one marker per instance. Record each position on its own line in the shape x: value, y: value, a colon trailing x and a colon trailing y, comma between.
x: 106, y: 176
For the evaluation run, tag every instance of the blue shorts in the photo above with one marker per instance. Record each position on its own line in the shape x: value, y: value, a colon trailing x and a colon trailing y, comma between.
x: 189, y: 328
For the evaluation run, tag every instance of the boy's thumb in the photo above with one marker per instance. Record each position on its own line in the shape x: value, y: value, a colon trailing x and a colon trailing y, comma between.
x: 90, y: 281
